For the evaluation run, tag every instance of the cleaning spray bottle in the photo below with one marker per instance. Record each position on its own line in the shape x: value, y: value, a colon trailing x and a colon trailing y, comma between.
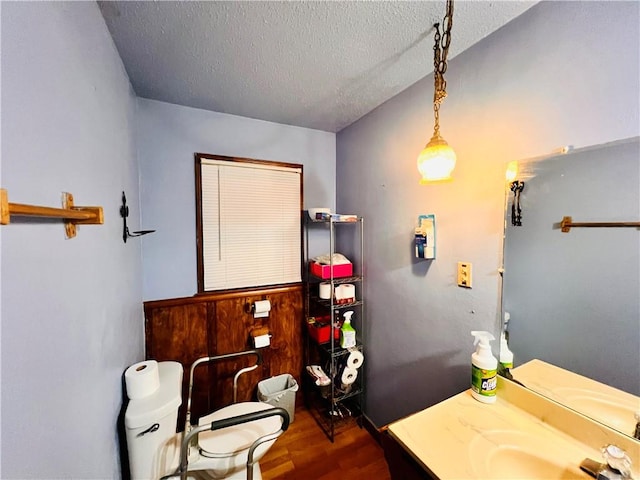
x: 347, y: 332
x: 506, y: 356
x: 484, y: 368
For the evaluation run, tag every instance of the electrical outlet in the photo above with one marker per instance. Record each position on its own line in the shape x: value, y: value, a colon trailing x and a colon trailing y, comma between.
x: 464, y: 274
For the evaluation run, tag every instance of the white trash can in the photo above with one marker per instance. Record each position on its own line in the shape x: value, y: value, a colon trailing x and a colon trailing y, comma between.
x: 279, y: 391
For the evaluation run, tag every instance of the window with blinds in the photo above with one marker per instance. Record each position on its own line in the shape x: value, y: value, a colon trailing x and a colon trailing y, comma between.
x: 248, y: 221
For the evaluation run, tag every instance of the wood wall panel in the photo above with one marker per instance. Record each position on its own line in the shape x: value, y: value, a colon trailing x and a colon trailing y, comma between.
x: 234, y: 324
x: 186, y: 329
x: 286, y: 353
x: 180, y: 333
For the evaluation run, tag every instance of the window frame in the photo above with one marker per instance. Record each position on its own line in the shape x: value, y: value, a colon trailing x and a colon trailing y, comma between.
x: 199, y: 157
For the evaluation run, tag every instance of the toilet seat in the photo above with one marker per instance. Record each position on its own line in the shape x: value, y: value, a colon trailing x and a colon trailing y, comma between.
x: 230, y: 441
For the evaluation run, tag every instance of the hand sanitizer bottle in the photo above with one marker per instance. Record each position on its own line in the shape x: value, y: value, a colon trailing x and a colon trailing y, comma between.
x: 484, y: 368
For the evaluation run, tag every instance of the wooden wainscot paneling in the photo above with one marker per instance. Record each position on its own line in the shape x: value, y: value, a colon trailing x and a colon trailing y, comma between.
x: 179, y: 333
x: 286, y: 353
x: 185, y: 329
x: 234, y: 322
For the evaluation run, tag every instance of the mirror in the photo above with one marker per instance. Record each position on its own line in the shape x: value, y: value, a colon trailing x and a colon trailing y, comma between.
x: 573, y: 297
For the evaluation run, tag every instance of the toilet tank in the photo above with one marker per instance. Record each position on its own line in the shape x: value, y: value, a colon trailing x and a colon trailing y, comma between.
x: 150, y: 424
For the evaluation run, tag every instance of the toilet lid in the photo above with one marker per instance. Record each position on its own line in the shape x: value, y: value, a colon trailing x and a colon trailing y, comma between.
x: 228, y: 441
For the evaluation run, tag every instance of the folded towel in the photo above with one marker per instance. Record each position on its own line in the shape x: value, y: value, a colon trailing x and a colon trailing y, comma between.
x: 338, y: 259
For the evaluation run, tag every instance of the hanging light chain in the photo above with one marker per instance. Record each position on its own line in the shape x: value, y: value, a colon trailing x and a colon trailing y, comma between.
x: 440, y: 53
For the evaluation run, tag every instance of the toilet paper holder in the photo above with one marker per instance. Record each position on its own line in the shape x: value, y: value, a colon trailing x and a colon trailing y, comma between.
x: 259, y: 308
x: 261, y: 337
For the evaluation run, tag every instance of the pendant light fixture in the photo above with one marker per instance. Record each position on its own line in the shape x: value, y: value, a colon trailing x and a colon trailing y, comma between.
x: 437, y: 159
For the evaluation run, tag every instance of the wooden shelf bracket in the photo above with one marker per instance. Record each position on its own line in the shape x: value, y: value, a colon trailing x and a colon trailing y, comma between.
x: 69, y: 213
x: 567, y: 224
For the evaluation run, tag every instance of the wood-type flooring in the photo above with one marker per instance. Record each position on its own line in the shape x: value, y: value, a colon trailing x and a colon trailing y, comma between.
x: 304, y: 452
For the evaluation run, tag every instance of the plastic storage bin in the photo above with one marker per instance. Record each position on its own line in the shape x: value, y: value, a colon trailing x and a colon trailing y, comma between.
x: 279, y: 391
x: 320, y: 329
x: 324, y: 271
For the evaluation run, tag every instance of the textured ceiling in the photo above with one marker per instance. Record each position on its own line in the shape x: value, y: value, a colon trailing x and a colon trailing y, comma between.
x: 315, y: 64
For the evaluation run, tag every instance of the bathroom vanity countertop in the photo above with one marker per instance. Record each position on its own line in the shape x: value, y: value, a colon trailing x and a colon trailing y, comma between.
x: 601, y: 402
x: 461, y: 438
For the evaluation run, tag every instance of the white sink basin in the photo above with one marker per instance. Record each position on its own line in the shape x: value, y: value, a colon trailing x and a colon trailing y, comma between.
x: 616, y: 412
x: 515, y: 455
x: 603, y: 403
x: 510, y: 463
x: 523, y: 435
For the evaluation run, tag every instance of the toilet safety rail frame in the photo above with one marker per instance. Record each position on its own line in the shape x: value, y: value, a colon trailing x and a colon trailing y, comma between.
x: 191, y: 432
x: 228, y: 422
x: 217, y: 358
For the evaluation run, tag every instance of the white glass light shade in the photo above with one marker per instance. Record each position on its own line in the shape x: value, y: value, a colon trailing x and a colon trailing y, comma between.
x: 436, y: 161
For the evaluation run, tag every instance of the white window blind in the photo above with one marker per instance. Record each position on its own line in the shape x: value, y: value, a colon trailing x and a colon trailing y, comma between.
x: 250, y: 224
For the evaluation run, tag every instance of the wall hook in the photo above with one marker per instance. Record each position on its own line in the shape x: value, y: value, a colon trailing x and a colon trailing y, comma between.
x: 124, y: 213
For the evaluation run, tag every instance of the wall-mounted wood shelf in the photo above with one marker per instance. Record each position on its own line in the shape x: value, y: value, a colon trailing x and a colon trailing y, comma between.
x: 71, y: 215
x: 567, y: 224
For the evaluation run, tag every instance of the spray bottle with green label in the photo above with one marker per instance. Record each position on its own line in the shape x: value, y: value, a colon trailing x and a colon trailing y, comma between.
x: 506, y: 355
x: 484, y: 368
x: 347, y: 332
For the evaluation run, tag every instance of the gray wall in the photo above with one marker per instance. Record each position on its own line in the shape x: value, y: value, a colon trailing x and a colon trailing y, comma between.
x: 574, y: 297
x: 168, y: 137
x: 71, y: 309
x: 562, y: 73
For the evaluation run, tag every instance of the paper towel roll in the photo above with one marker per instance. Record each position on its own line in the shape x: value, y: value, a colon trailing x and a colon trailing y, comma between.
x: 142, y: 379
x: 348, y: 376
x: 355, y: 359
x: 261, y: 308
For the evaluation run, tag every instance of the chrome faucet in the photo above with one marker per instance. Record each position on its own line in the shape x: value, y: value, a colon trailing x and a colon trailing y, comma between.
x: 617, y: 466
x: 618, y: 461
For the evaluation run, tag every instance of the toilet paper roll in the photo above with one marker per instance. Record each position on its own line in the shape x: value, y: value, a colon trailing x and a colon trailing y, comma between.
x: 355, y: 359
x: 325, y: 290
x: 345, y: 293
x: 348, y: 376
x: 261, y: 308
x: 262, y: 341
x: 348, y: 290
x: 142, y: 379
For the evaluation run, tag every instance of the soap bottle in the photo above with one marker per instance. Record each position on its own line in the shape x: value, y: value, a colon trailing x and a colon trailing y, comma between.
x: 347, y: 332
x: 506, y: 356
x: 484, y: 368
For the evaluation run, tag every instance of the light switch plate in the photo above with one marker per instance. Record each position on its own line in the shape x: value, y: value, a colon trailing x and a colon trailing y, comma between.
x: 464, y: 274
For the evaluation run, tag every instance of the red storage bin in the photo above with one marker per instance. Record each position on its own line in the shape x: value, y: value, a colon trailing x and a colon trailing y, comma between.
x: 321, y: 332
x: 324, y: 271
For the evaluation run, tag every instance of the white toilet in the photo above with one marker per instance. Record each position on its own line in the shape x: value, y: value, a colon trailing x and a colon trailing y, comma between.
x: 223, y: 453
x: 154, y: 446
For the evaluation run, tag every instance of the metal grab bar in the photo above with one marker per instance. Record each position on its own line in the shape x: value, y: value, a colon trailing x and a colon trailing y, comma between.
x: 228, y: 422
x: 216, y: 358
